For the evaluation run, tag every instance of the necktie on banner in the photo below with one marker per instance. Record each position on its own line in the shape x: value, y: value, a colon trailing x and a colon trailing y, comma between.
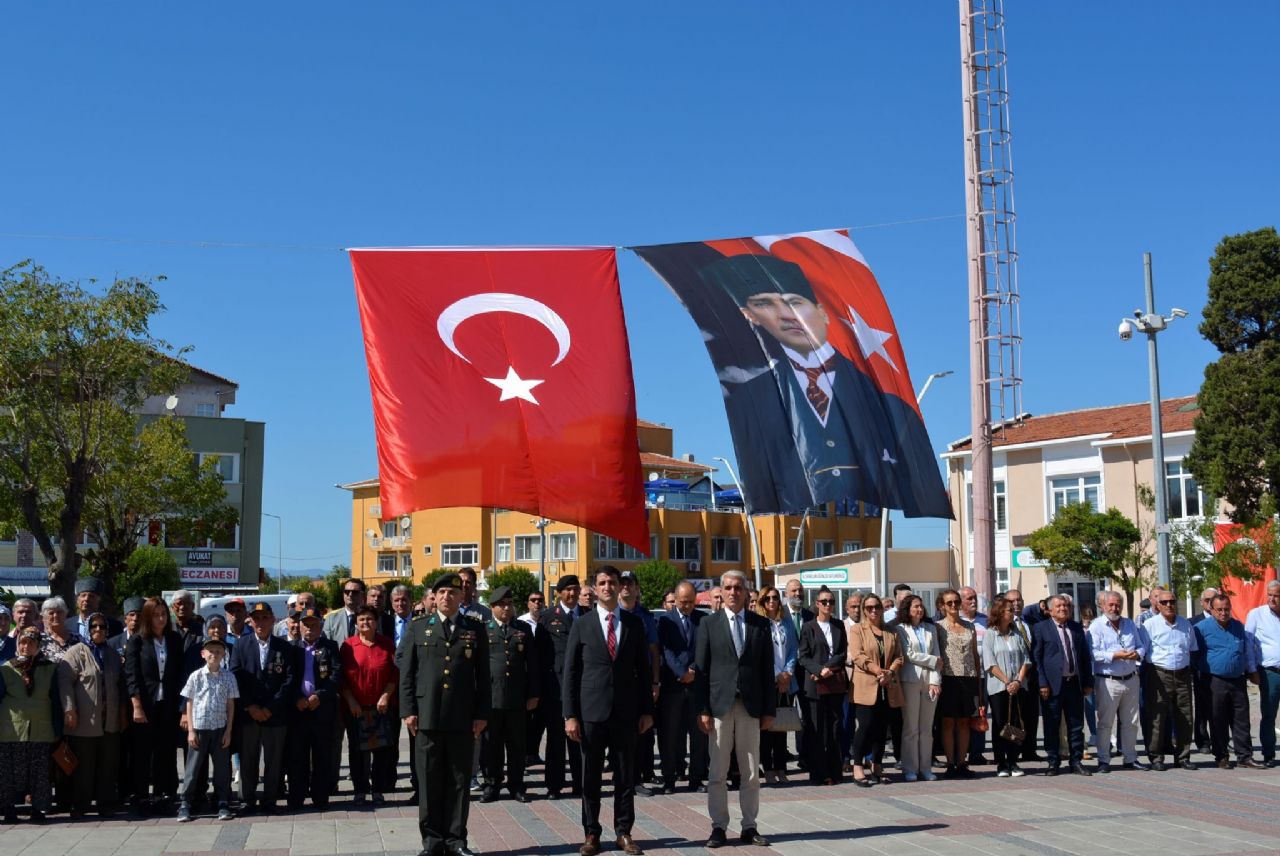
x: 779, y: 314
x: 502, y: 378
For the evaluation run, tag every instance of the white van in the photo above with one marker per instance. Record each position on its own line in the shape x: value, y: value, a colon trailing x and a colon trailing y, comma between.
x: 211, y: 606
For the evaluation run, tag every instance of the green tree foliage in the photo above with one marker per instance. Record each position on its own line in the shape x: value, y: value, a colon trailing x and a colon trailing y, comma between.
x: 147, y: 572
x: 151, y: 474
x: 74, y: 366
x: 656, y: 578
x: 329, y: 594
x: 1098, y: 545
x: 520, y: 580
x: 1236, y: 452
x: 430, y: 578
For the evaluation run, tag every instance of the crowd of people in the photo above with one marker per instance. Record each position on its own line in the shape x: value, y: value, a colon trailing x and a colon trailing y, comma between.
x: 94, y: 712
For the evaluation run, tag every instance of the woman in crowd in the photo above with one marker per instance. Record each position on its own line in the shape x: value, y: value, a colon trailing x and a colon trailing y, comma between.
x: 369, y: 689
x: 824, y: 654
x: 216, y: 628
x: 1007, y: 659
x: 91, y: 680
x: 877, y: 659
x: 921, y: 683
x: 961, y: 689
x: 153, y: 674
x: 786, y: 648
x: 30, y: 723
x: 57, y: 638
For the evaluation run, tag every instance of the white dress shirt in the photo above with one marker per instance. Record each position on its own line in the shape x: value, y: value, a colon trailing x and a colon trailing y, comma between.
x: 1264, y: 626
x: 1170, y: 646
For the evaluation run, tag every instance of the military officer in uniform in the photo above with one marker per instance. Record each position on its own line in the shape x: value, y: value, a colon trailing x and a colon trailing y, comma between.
x: 444, y: 700
x: 514, y: 679
x: 553, y: 639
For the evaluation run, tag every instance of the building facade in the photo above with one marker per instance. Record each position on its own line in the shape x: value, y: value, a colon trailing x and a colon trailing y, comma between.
x: 1099, y: 456
x: 692, y: 524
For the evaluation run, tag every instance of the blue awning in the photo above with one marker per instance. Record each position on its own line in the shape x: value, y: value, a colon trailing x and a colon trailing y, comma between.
x: 666, y: 484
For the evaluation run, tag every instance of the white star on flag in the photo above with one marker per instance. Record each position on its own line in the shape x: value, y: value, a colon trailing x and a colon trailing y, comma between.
x: 870, y: 340
x: 514, y: 386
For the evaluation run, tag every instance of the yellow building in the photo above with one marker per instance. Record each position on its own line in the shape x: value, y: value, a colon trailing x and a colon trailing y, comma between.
x: 688, y: 526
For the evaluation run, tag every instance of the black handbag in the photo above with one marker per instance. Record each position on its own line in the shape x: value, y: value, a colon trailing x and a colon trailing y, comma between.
x: 1014, y: 733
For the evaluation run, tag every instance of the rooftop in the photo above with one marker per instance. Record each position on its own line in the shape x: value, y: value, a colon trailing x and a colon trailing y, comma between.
x: 1117, y: 422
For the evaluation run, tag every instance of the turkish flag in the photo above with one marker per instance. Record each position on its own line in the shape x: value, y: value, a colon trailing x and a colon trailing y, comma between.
x: 1245, y: 594
x: 502, y: 378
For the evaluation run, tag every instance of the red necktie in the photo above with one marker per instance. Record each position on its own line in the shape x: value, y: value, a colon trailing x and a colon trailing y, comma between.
x: 817, y: 397
x: 612, y: 639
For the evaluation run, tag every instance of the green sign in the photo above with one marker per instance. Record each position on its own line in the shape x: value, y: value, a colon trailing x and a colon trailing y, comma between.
x: 825, y: 576
x: 1024, y: 557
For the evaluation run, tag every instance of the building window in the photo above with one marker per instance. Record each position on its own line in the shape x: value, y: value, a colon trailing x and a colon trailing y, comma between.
x: 1002, y: 579
x: 504, y: 550
x: 792, y: 555
x: 850, y: 546
x: 458, y: 555
x: 564, y: 546
x: 226, y: 463
x: 822, y: 549
x: 406, y: 564
x: 612, y: 548
x: 726, y: 550
x: 1072, y: 490
x: 204, y: 408
x: 1000, y: 504
x: 387, y: 563
x: 390, y: 528
x: 684, y: 548
x: 528, y: 548
x: 1182, y: 494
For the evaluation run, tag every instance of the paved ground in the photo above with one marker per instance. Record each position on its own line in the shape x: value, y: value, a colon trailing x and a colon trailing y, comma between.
x: 1209, y: 811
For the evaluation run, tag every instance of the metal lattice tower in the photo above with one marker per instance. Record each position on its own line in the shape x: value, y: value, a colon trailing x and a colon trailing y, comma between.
x: 995, y: 339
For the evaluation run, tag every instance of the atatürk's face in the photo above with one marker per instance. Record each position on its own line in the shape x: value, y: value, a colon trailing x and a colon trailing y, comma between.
x: 792, y: 319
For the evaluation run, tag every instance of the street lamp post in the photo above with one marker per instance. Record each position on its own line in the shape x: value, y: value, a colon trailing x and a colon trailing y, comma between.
x: 542, y: 523
x: 279, y: 547
x: 884, y: 512
x: 1151, y: 324
x: 746, y: 516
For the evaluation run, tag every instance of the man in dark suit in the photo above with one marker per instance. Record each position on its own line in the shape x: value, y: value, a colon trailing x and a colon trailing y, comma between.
x: 1064, y: 666
x: 445, y: 703
x: 312, y: 711
x: 514, y: 679
x: 552, y: 639
x: 607, y: 705
x: 89, y: 591
x: 677, y: 698
x: 799, y: 615
x: 737, y: 698
x: 264, y: 668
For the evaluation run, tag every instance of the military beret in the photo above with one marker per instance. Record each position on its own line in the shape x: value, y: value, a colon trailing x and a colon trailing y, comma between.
x: 500, y: 593
x: 447, y: 581
x: 566, y: 581
x: 743, y: 276
x: 134, y: 604
x: 89, y: 584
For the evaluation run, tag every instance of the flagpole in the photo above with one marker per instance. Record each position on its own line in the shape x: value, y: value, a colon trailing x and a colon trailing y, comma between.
x: 746, y: 515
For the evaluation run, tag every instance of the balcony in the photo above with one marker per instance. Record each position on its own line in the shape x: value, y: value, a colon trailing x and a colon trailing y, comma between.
x: 390, y: 543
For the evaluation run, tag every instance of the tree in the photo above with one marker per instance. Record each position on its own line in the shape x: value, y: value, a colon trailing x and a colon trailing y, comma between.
x: 74, y: 367
x: 656, y: 577
x: 330, y: 592
x: 1236, y: 451
x: 520, y: 580
x: 151, y: 475
x: 147, y: 572
x: 1098, y: 545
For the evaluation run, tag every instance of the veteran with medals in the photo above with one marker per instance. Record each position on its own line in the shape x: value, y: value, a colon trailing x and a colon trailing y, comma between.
x: 445, y: 701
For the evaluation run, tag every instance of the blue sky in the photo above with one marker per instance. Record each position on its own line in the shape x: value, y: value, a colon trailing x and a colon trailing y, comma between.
x: 236, y: 148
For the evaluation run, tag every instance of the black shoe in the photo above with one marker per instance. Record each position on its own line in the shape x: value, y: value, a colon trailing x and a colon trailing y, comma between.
x: 489, y: 796
x: 1079, y: 769
x: 751, y: 836
x: 977, y: 760
x: 1188, y: 765
x: 1135, y: 765
x: 644, y: 791
x: 1052, y: 770
x: 553, y: 795
x: 862, y: 783
x: 668, y: 790
x: 464, y: 850
x: 717, y: 839
x: 699, y: 788
x: 520, y: 796
x: 1104, y: 768
x: 1157, y: 764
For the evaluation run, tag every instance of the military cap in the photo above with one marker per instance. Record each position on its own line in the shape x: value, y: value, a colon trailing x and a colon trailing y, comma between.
x: 134, y: 604
x: 304, y: 614
x: 262, y: 606
x: 89, y: 584
x: 566, y: 581
x: 498, y: 594
x: 447, y: 581
x: 743, y: 276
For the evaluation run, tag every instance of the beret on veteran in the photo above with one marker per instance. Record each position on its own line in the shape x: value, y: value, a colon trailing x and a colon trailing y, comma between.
x: 566, y: 581
x: 447, y: 581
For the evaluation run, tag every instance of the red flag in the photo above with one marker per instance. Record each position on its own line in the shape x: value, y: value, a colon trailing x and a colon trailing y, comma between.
x: 502, y: 378
x: 1245, y: 594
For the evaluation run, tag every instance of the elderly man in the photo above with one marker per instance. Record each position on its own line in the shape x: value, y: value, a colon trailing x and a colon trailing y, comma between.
x: 1263, y: 624
x: 900, y: 593
x: 264, y: 666
x: 89, y: 591
x: 313, y: 707
x: 1065, y: 667
x: 237, y: 621
x: 682, y: 741
x: 1225, y: 657
x: 299, y: 603
x: 1171, y: 643
x: 1201, y: 686
x: 26, y: 613
x: 1118, y: 650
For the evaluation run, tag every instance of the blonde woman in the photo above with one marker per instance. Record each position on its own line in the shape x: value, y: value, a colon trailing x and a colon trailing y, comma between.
x: 921, y: 684
x: 876, y: 657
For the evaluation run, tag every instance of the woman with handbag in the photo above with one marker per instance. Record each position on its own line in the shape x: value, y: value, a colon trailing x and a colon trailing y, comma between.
x: 369, y: 689
x: 30, y: 723
x: 824, y: 655
x: 877, y: 659
x: 961, y: 698
x: 1005, y: 654
x: 91, y: 682
x: 921, y: 684
x: 786, y: 648
x: 153, y: 674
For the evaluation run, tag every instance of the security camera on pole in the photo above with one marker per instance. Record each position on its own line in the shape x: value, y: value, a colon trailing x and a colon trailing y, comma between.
x: 1151, y: 323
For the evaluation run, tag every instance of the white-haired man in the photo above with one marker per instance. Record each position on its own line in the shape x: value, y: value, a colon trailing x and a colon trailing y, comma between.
x: 1118, y: 650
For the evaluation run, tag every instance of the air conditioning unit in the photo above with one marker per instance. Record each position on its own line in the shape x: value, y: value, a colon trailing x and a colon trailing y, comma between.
x: 694, y: 566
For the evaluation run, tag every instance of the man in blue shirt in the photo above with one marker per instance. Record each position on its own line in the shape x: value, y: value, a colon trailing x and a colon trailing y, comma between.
x: 1226, y: 655
x: 1263, y: 623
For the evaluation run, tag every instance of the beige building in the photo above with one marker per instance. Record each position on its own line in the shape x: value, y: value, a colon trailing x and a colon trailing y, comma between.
x: 1099, y: 456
